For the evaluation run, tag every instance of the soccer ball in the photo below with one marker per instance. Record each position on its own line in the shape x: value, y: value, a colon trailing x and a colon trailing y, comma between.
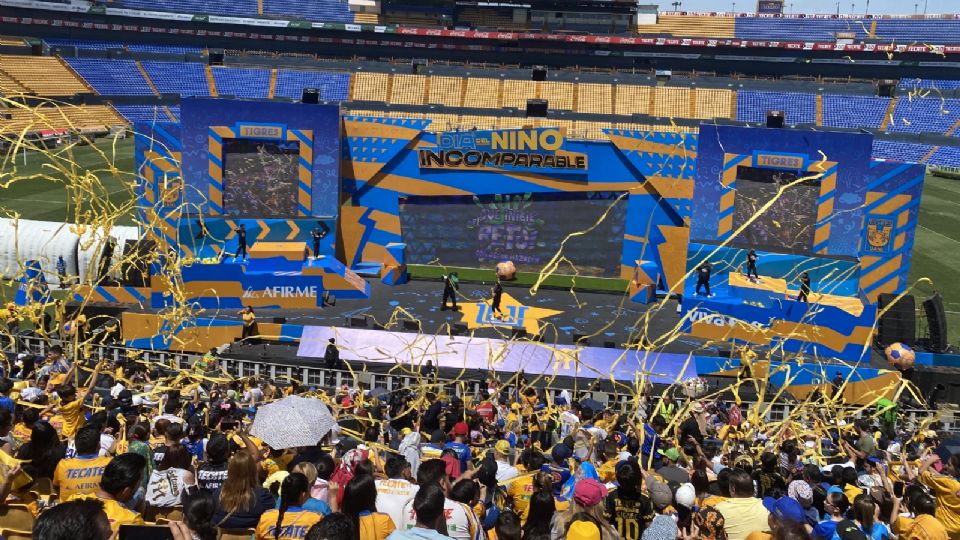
x: 900, y: 356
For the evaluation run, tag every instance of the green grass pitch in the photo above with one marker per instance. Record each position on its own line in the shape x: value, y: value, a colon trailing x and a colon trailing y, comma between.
x: 936, y: 253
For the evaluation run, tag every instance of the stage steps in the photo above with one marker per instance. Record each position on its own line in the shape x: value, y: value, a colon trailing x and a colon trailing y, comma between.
x: 819, y: 109
x: 146, y: 77
x: 367, y: 269
x: 953, y: 129
x: 211, y: 82
x: 273, y: 84
x: 170, y: 115
x: 929, y: 154
x: 888, y: 116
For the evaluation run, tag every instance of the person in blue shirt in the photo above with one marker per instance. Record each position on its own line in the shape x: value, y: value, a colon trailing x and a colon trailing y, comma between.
x: 5, y: 386
x: 650, y: 441
x: 460, y: 432
x: 835, y: 507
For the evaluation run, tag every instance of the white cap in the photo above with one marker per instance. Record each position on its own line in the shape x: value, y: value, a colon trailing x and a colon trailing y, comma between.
x: 686, y: 495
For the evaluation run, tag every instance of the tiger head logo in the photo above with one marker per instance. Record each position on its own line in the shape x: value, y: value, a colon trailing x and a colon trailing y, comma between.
x: 878, y: 234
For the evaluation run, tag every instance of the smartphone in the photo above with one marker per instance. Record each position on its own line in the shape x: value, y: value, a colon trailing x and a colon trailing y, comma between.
x: 145, y: 532
x: 898, y: 489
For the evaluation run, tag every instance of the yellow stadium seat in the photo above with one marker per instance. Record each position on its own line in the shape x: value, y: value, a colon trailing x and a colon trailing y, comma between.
x: 632, y: 99
x: 558, y: 94
x: 712, y: 103
x: 671, y: 102
x: 370, y: 87
x: 408, y: 89
x: 445, y: 91
x: 595, y: 98
x: 516, y: 93
x: 44, y: 75
x: 483, y: 93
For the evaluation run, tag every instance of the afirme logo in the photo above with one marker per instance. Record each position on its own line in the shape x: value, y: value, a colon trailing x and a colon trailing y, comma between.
x: 261, y: 131
x: 780, y: 161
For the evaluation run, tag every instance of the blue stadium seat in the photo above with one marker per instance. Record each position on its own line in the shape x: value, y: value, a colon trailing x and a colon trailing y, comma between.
x: 314, y: 10
x: 916, y: 115
x: 927, y: 84
x: 184, y: 78
x: 899, y: 151
x: 144, y: 113
x: 946, y: 156
x: 894, y: 30
x: 164, y: 49
x: 242, y: 82
x: 799, y: 108
x: 854, y: 111
x: 112, y: 77
x: 84, y: 44
x: 333, y: 86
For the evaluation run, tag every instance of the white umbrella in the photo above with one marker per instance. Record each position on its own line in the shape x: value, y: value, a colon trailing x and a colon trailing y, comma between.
x: 292, y: 421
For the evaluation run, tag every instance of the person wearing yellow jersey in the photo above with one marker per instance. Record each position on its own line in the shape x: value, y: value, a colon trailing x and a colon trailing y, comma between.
x: 249, y: 323
x: 360, y: 503
x: 71, y: 403
x: 521, y: 490
x: 946, y: 489
x: 290, y: 521
x: 82, y: 473
x: 119, y: 483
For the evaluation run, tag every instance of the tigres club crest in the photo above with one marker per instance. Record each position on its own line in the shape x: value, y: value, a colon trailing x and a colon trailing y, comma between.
x: 878, y: 234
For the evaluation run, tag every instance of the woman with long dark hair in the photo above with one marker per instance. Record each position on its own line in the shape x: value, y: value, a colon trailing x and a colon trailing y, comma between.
x: 360, y: 503
x: 542, y: 509
x: 242, y: 500
x: 172, y: 479
x: 290, y: 521
x: 44, y: 451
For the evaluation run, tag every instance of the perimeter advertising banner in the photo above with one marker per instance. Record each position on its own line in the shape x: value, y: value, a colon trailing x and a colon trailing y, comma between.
x: 538, y: 150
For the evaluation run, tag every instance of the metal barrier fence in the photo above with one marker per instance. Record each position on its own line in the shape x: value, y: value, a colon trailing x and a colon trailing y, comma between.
x: 319, y: 376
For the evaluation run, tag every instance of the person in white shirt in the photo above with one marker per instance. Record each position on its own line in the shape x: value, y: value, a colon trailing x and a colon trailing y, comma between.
x: 395, y: 492
x: 505, y: 469
x: 462, y: 523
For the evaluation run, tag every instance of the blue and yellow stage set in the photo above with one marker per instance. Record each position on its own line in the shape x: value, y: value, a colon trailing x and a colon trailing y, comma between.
x: 678, y: 192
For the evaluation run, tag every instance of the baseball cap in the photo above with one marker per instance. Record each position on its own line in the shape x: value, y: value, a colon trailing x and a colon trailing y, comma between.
x: 583, y: 530
x: 660, y: 493
x: 670, y: 453
x: 785, y: 509
x: 589, y: 492
x: 834, y: 489
x: 800, y: 490
x: 461, y: 428
x: 405, y: 431
x: 560, y: 453
x: 502, y: 446
x: 697, y: 408
x: 686, y: 495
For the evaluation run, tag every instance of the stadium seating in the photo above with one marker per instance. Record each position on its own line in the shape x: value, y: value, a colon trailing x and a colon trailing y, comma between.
x: 632, y: 100
x: 690, y: 26
x: 595, y: 98
x: 184, y: 78
x: 86, y: 118
x: 485, y: 93
x: 146, y: 113
x: 899, y: 151
x: 917, y: 115
x: 516, y: 93
x: 854, y: 111
x: 445, y: 91
x: 948, y: 156
x: 928, y: 84
x: 163, y: 49
x: 370, y: 86
x: 84, y: 44
x: 712, y: 103
x: 501, y: 19
x: 753, y: 106
x: 242, y: 82
x: 894, y: 30
x: 45, y: 75
x: 332, y: 86
x: 408, y: 89
x: 314, y: 10
x: 558, y: 94
x: 112, y: 77
x: 210, y: 7
x: 672, y: 102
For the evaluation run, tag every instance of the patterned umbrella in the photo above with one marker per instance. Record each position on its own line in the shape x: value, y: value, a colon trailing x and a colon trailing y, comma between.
x: 292, y: 421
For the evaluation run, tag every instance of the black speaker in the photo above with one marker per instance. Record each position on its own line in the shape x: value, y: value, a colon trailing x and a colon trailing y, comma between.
x: 886, y: 88
x: 899, y: 323
x: 135, y: 266
x: 418, y: 66
x: 36, y: 49
x: 936, y: 323
x: 279, y: 320
x: 412, y: 326
x: 537, y: 108
x: 775, y: 119
x: 311, y: 96
x: 215, y: 57
x: 538, y: 73
x: 356, y: 321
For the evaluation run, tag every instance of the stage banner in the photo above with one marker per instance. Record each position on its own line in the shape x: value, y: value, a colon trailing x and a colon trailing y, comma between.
x: 540, y: 151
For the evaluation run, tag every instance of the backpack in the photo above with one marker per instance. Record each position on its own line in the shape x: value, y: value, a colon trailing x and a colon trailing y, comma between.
x: 345, y: 470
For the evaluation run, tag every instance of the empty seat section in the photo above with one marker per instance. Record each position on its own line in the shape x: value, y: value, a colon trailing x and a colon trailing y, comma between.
x: 442, y: 122
x: 946, y: 156
x: 445, y: 91
x: 712, y: 103
x: 83, y: 44
x: 798, y: 108
x: 899, y: 151
x: 917, y: 115
x: 184, y: 78
x: 854, y: 111
x: 44, y: 75
x: 242, y: 82
x: 690, y: 26
x: 407, y: 89
x: 927, y: 84
x: 632, y: 99
x: 314, y: 10
x: 558, y: 94
x: 163, y: 49
x: 595, y: 98
x: 143, y: 113
x: 516, y: 93
x: 370, y: 87
x: 332, y: 86
x: 211, y: 7
x: 671, y: 102
x: 112, y: 77
x: 46, y: 117
x: 483, y: 93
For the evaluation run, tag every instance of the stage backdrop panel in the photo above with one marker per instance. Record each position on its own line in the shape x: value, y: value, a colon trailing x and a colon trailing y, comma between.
x: 240, y: 158
x: 526, y: 228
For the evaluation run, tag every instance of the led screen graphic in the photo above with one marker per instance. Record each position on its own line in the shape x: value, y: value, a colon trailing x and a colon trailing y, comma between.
x: 260, y: 178
x: 525, y: 228
x: 787, y: 226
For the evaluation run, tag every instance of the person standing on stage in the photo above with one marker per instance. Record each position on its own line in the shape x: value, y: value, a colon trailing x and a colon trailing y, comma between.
x: 317, y: 235
x: 249, y: 323
x: 495, y: 303
x: 752, y: 258
x: 451, y: 282
x: 804, y: 287
x: 62, y: 271
x: 331, y: 356
x: 241, y: 241
x: 703, y: 277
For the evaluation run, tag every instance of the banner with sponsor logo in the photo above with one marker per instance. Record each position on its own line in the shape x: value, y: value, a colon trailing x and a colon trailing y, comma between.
x: 538, y: 150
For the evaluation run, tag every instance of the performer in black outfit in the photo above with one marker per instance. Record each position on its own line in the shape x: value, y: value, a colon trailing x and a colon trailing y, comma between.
x: 752, y: 264
x: 804, y: 287
x: 317, y: 235
x: 703, y: 276
x: 241, y: 241
x: 495, y: 304
x: 450, y: 284
x: 331, y: 356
